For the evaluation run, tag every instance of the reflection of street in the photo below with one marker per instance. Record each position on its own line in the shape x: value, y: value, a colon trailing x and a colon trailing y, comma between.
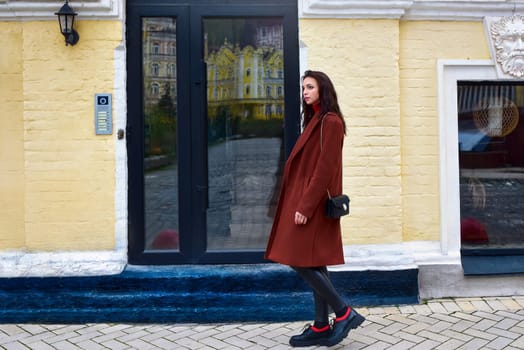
x: 499, y: 211
x: 242, y: 181
x: 161, y: 202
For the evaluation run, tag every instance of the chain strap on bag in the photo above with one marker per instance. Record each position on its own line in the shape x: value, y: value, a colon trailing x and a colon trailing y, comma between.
x: 337, y: 206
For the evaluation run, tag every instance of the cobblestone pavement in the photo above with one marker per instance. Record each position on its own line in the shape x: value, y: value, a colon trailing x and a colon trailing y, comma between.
x: 460, y: 323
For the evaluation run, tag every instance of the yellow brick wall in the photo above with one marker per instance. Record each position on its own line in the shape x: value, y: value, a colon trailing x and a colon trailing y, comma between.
x: 11, y: 137
x: 361, y: 57
x: 57, y: 177
x: 385, y: 72
x: 68, y: 202
x: 422, y: 43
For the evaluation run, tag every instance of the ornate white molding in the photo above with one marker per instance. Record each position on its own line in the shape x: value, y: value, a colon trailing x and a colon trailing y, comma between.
x: 409, y: 10
x: 352, y: 8
x: 45, y: 9
x: 506, y: 40
x: 472, y: 10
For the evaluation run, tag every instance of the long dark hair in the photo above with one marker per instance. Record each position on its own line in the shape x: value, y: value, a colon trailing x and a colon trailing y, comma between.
x: 327, y: 95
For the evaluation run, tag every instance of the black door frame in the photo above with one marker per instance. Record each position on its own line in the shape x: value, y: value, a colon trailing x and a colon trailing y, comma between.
x: 191, y: 94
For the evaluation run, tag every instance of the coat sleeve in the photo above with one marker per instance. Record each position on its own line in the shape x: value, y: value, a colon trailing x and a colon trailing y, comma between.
x: 329, y: 162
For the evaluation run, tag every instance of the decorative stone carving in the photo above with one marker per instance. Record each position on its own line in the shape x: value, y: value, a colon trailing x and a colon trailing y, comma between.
x: 506, y: 38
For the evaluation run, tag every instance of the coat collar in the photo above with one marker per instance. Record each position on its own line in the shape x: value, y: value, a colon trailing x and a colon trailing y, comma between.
x: 306, y: 135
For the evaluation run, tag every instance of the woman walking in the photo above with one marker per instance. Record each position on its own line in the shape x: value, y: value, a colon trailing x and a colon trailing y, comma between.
x: 302, y: 237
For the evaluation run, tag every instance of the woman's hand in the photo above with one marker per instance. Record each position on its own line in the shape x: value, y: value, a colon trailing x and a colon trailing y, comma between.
x: 300, y: 219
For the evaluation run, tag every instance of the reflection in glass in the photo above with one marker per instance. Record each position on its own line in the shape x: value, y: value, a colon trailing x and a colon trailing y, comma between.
x: 160, y: 133
x: 491, y: 156
x: 245, y: 96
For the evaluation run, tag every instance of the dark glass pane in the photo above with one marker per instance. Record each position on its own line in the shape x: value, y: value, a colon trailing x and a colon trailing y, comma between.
x: 245, y: 85
x: 491, y: 158
x: 160, y: 133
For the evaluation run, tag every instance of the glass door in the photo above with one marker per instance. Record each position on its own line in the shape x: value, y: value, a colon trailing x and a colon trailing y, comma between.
x: 213, y: 111
x: 245, y: 122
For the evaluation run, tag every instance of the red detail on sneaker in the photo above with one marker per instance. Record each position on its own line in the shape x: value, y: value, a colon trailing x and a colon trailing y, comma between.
x: 319, y: 330
x: 346, y: 315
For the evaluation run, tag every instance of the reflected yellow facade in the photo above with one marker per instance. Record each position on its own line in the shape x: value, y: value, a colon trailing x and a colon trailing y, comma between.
x: 249, y: 80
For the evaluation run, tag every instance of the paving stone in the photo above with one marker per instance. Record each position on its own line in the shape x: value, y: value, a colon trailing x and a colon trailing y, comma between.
x: 479, y: 334
x: 514, y: 315
x: 426, y: 345
x: 511, y: 304
x: 484, y: 324
x: 481, y: 305
x: 403, y: 345
x: 519, y: 300
x: 15, y: 346
x: 443, y: 324
x: 462, y: 325
x: 410, y: 337
x: 456, y: 335
x: 518, y: 343
x: 391, y: 310
x: 392, y: 329
x: 433, y: 336
x: 379, y: 345
x: 40, y: 345
x: 91, y: 345
x: 451, y: 306
x: 489, y: 315
x: 450, y: 344
x: 475, y: 344
x: 115, y: 345
x: 466, y: 316
x: 416, y: 327
x: 499, y: 343
x: 407, y: 309
x: 506, y: 323
x: 496, y: 304
x: 422, y: 309
x: 466, y: 306
x: 502, y: 333
x: 437, y: 308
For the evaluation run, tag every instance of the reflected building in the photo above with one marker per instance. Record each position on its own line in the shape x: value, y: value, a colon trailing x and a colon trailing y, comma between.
x: 248, y: 80
x: 159, y: 59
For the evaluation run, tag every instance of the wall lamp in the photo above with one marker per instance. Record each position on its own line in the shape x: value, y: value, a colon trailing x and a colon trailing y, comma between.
x: 66, y: 19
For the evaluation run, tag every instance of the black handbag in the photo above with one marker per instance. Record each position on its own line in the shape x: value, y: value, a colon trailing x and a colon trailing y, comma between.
x: 335, y: 206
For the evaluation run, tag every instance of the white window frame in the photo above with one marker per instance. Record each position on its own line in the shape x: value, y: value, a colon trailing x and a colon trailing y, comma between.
x: 449, y: 73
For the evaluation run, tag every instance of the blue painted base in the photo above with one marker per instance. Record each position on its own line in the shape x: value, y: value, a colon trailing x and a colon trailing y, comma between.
x: 478, y: 265
x: 169, y: 294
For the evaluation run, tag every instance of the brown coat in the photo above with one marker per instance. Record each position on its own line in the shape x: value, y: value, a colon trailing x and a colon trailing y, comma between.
x: 308, y: 173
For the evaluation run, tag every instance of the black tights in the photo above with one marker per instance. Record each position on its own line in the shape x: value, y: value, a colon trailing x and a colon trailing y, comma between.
x: 324, y: 292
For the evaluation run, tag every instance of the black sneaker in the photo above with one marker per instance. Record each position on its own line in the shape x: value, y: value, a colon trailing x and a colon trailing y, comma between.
x: 311, y: 336
x: 343, y: 325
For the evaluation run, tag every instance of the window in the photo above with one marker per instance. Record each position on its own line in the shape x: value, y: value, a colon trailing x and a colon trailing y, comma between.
x: 155, y: 48
x: 268, y: 111
x: 248, y: 72
x: 171, y: 70
x: 247, y: 89
x: 155, y: 69
x: 268, y: 91
x: 155, y: 89
x: 491, y: 160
